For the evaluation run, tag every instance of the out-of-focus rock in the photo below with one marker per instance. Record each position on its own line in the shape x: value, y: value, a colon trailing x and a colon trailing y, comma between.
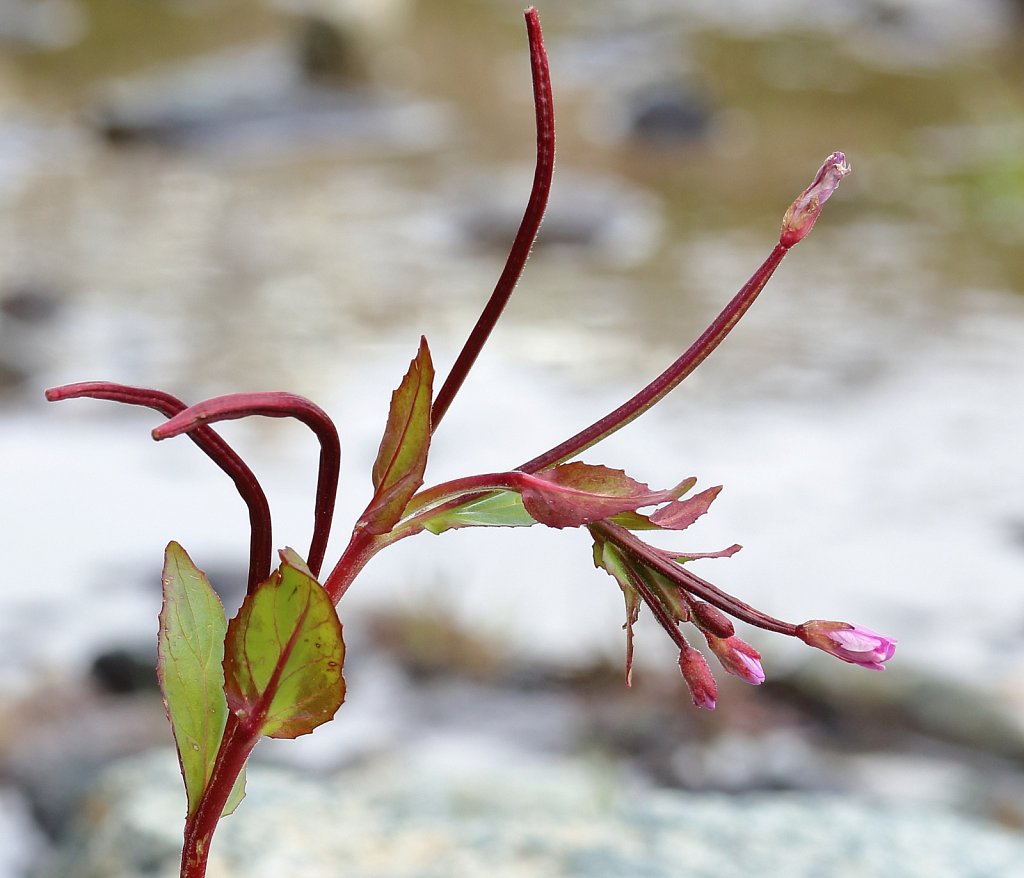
x: 27, y: 309
x: 879, y: 709
x: 602, y: 217
x: 457, y: 813
x: 124, y: 671
x: 55, y: 743
x: 258, y: 101
x: 353, y: 32
x: 42, y: 24
x: 29, y: 302
x: 20, y: 840
x: 668, y: 115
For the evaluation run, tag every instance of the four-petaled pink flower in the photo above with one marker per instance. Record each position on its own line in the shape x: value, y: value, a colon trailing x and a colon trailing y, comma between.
x: 851, y: 643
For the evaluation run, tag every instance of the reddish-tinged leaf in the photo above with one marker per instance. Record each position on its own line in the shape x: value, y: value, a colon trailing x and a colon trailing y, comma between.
x: 683, y: 557
x: 284, y: 654
x: 402, y: 456
x: 639, y: 521
x: 680, y: 514
x: 575, y: 494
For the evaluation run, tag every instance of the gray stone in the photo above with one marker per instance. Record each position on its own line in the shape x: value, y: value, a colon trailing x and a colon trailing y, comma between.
x: 669, y: 114
x: 454, y: 812
x: 260, y: 101
x: 20, y: 840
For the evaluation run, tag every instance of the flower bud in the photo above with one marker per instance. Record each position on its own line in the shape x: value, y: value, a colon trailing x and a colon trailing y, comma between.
x: 711, y: 619
x: 803, y: 213
x: 698, y: 677
x: 851, y: 643
x: 738, y: 658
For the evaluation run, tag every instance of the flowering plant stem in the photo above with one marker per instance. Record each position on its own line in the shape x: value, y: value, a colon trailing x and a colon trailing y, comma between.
x: 528, y: 228
x: 672, y: 377
x: 237, y: 744
x: 275, y: 669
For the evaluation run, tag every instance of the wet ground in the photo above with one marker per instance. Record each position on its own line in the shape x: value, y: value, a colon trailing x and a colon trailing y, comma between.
x: 214, y: 197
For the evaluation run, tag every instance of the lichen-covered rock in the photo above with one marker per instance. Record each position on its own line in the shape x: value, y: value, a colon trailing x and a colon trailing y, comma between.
x: 456, y: 814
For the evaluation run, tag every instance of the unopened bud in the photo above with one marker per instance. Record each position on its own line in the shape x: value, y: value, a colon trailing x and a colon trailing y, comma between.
x: 698, y: 677
x: 851, y: 643
x: 738, y: 658
x: 711, y: 619
x: 803, y: 213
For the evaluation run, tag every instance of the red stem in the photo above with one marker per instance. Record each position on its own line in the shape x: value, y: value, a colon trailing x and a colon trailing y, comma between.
x: 657, y: 389
x: 277, y: 405
x: 364, y: 545
x: 361, y: 548
x: 211, y: 443
x: 656, y: 607
x: 668, y: 380
x: 527, y: 234
x: 235, y: 747
x: 690, y: 582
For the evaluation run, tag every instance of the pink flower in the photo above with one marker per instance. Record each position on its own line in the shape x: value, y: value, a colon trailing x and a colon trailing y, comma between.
x: 803, y: 213
x: 698, y: 677
x: 851, y: 643
x: 738, y: 658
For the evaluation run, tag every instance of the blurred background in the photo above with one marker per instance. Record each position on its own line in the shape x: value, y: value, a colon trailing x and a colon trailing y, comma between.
x: 208, y: 196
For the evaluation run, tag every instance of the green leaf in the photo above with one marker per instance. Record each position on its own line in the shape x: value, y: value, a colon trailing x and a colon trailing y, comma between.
x: 236, y: 795
x: 610, y: 558
x: 633, y: 521
x: 575, y: 494
x: 499, y: 509
x: 667, y: 591
x: 190, y: 653
x: 402, y: 456
x: 283, y: 656
x: 289, y: 556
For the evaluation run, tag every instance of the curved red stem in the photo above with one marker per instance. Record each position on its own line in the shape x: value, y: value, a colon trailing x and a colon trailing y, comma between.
x: 690, y: 582
x: 668, y: 380
x: 211, y: 443
x: 528, y: 228
x: 277, y: 405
